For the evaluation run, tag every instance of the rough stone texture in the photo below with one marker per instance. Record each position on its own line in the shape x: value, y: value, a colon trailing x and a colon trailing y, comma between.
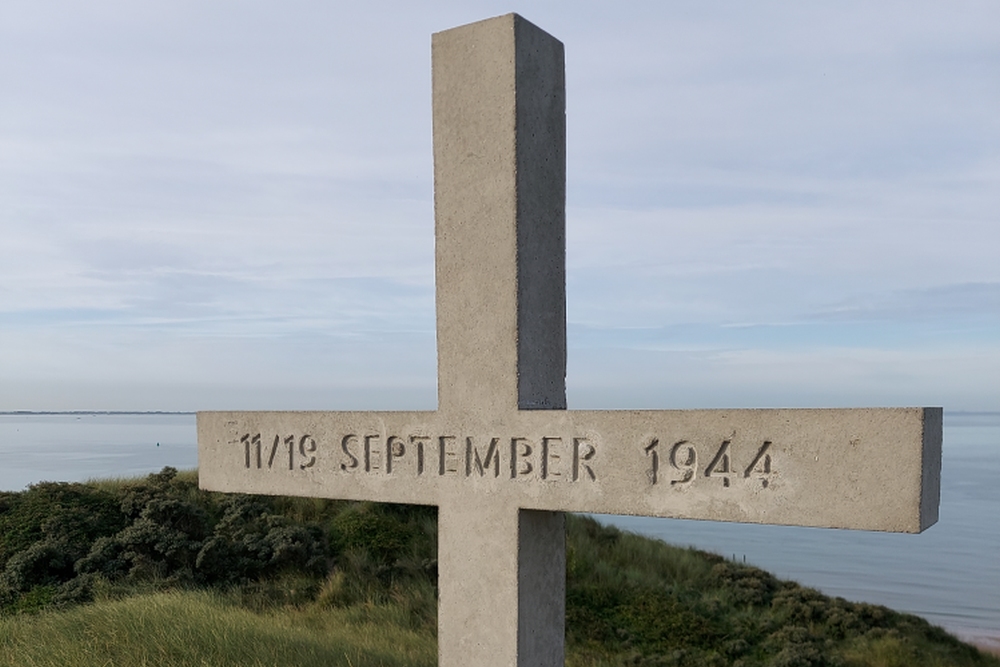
x: 500, y: 133
x: 499, y: 204
x: 869, y: 469
x: 501, y: 457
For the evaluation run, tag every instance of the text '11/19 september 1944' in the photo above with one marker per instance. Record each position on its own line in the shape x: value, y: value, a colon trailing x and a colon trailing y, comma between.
x: 676, y: 462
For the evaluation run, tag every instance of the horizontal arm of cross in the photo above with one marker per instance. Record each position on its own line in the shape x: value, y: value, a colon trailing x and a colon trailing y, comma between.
x: 868, y: 469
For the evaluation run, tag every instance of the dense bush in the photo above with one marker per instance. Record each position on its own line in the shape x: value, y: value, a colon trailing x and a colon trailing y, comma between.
x: 72, y: 514
x: 250, y: 541
x: 60, y: 540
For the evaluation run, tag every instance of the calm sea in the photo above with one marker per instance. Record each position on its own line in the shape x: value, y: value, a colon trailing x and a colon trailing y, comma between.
x: 950, y: 574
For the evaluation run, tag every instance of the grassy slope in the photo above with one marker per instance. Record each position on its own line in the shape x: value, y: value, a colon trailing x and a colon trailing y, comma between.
x: 202, y: 628
x: 176, y: 576
x: 632, y: 600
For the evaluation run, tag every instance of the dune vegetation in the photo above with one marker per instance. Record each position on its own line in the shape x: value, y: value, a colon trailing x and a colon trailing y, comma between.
x: 154, y: 571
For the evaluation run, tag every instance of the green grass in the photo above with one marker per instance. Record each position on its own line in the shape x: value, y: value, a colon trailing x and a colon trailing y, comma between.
x: 182, y: 628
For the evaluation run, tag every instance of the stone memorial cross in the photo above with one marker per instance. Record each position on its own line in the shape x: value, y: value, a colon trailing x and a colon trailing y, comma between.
x: 501, y: 457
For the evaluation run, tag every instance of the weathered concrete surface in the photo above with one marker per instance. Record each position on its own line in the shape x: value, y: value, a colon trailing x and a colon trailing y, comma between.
x: 500, y: 457
x: 499, y: 208
x: 869, y: 469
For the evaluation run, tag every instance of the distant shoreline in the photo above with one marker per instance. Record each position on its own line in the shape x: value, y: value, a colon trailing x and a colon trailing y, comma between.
x: 28, y: 413
x: 986, y: 640
x: 991, y: 647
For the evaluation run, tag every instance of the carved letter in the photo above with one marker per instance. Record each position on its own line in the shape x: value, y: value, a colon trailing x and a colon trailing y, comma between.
x: 549, y: 457
x: 720, y: 465
x: 394, y: 449
x: 369, y: 450
x: 579, y: 460
x: 290, y: 441
x: 245, y: 439
x: 352, y: 462
x: 418, y: 440
x: 761, y: 463
x: 446, y: 458
x: 686, y: 465
x: 274, y: 450
x: 654, y: 457
x: 255, y: 442
x: 515, y: 453
x: 472, y: 458
x: 307, y: 450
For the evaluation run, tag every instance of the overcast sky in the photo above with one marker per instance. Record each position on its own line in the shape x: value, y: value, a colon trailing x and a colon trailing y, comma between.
x: 229, y: 204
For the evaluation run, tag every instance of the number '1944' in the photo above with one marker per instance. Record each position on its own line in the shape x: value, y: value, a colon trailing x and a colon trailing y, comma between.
x: 682, y: 458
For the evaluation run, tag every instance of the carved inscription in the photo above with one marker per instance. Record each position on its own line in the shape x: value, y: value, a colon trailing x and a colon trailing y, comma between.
x: 255, y: 454
x: 549, y: 458
x: 682, y: 467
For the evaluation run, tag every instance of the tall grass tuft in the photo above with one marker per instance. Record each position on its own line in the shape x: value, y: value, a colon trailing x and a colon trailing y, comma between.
x: 184, y: 628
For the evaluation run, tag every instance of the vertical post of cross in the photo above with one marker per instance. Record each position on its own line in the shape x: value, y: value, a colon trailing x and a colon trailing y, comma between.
x: 499, y: 193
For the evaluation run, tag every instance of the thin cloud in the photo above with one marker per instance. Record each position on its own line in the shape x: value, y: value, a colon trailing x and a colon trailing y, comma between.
x: 816, y: 184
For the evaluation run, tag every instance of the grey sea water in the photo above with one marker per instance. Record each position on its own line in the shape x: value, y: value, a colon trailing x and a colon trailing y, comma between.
x: 77, y: 447
x: 950, y: 574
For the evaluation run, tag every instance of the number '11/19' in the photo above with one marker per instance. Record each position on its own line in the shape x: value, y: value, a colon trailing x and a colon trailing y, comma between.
x: 254, y: 452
